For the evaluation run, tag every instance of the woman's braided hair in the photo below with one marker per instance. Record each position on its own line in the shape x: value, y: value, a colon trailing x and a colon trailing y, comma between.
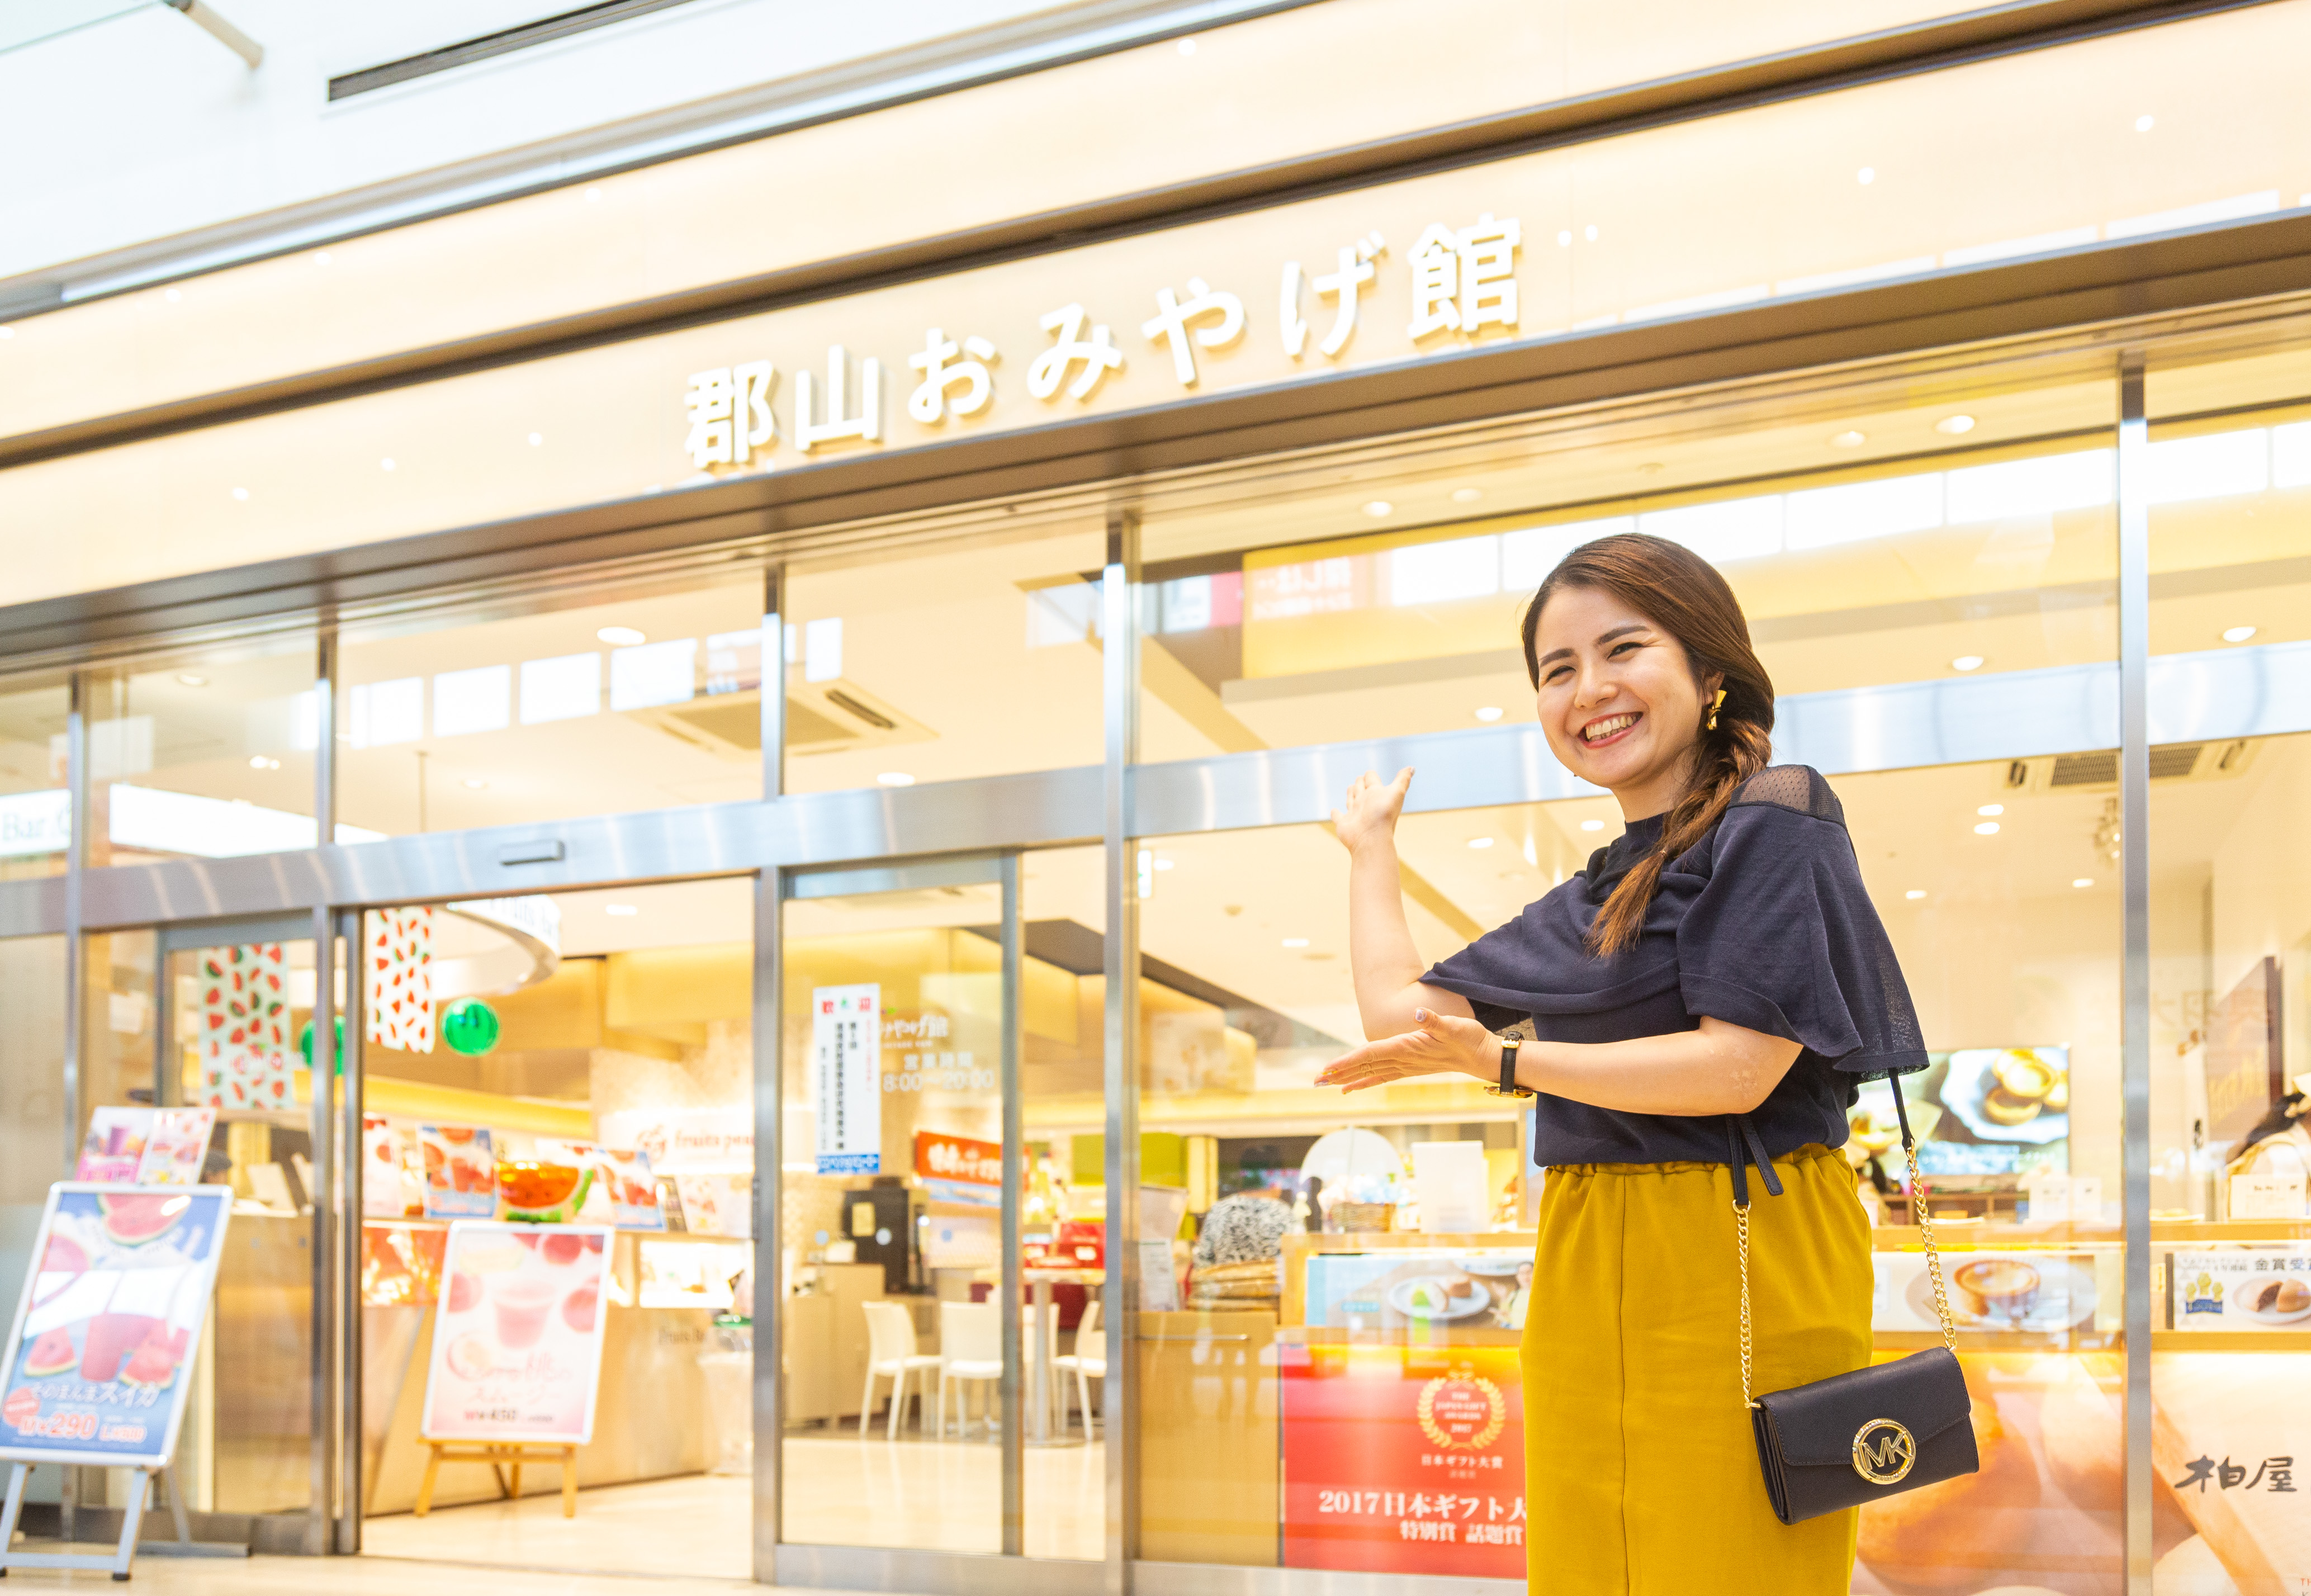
x: 1682, y: 594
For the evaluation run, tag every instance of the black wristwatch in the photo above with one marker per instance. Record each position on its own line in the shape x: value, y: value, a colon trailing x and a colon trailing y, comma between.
x: 1508, y: 1086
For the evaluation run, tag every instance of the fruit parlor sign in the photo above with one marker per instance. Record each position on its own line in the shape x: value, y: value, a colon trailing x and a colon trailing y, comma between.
x: 106, y: 1332
x: 517, y: 1350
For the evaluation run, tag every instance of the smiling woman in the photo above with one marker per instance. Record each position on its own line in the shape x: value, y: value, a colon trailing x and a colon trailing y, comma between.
x: 1705, y: 995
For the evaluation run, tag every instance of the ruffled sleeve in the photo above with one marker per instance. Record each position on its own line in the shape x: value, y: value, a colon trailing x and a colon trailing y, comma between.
x: 1783, y: 940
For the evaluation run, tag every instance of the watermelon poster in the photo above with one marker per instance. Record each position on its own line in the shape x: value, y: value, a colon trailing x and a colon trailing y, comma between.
x: 243, y: 1019
x: 400, y: 975
x: 100, y: 1353
x: 517, y: 1333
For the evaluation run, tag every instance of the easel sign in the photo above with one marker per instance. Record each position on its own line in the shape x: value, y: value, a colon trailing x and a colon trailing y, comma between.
x: 517, y: 1357
x: 106, y: 1331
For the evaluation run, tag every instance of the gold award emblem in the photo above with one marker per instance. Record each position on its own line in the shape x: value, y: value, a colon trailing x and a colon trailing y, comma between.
x: 1887, y: 1460
x: 1462, y: 1411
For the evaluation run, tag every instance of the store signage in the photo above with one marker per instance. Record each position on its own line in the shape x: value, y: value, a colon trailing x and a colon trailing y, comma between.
x: 517, y: 1333
x: 1455, y: 280
x: 2247, y: 1288
x: 959, y: 1168
x: 109, y: 1323
x: 846, y: 1032
x: 150, y: 1147
x: 1404, y: 1460
x: 686, y: 1141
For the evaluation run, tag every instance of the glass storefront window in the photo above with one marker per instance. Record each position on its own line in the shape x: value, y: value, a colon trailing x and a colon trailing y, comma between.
x: 607, y: 702
x: 2230, y: 950
x: 974, y: 657
x: 31, y: 1094
x: 203, y: 755
x: 35, y: 807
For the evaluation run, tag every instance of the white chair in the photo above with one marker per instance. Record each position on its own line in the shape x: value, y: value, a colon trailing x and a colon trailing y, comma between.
x: 1086, y: 1365
x: 971, y: 1350
x: 891, y: 1355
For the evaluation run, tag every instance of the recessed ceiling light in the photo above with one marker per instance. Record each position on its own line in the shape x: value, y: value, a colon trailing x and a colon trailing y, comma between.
x: 1955, y: 425
x: 1866, y: 176
x: 1564, y: 239
x: 188, y: 679
x: 240, y: 493
x: 1988, y: 828
x: 1296, y: 942
x: 6, y: 333
x: 536, y: 438
x: 386, y: 464
x: 1380, y: 507
x: 894, y: 778
x: 621, y: 637
x: 1489, y: 713
x: 621, y: 910
x: 1466, y: 495
x: 475, y: 782
x: 2238, y: 634
x: 1480, y: 842
x: 1590, y: 232
x: 1592, y: 825
x: 1850, y: 439
x: 1915, y: 893
x: 1967, y: 662
x: 2145, y: 124
x: 592, y: 194
x: 257, y: 761
x: 2083, y: 881
x: 172, y: 296
x: 323, y: 257
x: 1187, y: 47
x: 1987, y: 810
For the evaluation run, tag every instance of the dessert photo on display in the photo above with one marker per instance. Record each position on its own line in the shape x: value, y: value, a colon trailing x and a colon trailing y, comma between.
x: 517, y: 1333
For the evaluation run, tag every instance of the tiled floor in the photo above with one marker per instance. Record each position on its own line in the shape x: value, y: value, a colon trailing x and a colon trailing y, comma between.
x: 350, y: 1576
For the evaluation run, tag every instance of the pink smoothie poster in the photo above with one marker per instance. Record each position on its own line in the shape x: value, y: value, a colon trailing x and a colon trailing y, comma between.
x: 100, y: 1355
x: 517, y: 1333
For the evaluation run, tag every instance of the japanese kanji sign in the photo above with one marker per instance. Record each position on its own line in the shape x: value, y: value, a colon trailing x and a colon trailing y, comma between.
x: 846, y: 1053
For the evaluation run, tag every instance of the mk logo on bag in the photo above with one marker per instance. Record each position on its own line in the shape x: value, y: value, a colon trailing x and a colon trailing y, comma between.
x: 1890, y: 1458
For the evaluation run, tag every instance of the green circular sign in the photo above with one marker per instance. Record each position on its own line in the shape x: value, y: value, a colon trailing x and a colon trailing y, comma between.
x: 470, y: 1027
x: 305, y: 1043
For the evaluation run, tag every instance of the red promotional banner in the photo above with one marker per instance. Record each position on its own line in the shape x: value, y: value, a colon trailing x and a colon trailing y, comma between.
x: 940, y: 1156
x: 1404, y: 1460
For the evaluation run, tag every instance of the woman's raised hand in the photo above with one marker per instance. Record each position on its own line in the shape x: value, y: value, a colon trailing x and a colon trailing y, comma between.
x: 1442, y: 1044
x: 1372, y: 809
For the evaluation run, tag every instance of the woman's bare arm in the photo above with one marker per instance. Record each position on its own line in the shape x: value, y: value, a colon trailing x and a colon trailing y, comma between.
x: 1721, y: 1068
x: 1386, y: 965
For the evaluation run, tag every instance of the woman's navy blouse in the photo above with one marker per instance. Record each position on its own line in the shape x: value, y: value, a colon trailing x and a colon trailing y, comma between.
x: 1764, y: 923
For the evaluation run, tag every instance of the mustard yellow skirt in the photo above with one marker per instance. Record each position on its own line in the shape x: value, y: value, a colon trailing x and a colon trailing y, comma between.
x: 1641, y: 1475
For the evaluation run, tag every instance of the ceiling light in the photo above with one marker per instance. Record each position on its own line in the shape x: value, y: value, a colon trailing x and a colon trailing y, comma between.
x: 1590, y: 232
x: 1988, y: 828
x: 257, y: 761
x: 536, y: 438
x: 1967, y: 662
x: 1489, y: 713
x: 894, y: 778
x: 1866, y: 176
x: 1480, y: 842
x: 240, y: 493
x: 1380, y: 507
x: 1187, y: 47
x: 1915, y: 893
x: 1850, y: 439
x: 621, y: 637
x: 1987, y: 810
x: 592, y: 194
x: 172, y: 296
x: 2083, y: 881
x: 1466, y: 495
x: 323, y: 257
x: 1296, y: 942
x: 386, y: 464
x: 621, y: 910
x: 2145, y: 124
x: 2238, y: 634
x: 475, y: 782
x: 1592, y: 825
x: 186, y: 678
x: 1166, y: 864
x: 1955, y: 425
x: 1564, y: 239
x: 6, y: 333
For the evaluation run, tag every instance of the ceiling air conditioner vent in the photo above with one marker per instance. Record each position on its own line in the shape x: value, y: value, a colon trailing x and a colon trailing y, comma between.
x: 822, y: 718
x: 2169, y: 761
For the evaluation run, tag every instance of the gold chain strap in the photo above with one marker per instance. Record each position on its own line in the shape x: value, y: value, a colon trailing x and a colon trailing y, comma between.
x: 1933, y: 1256
x: 1742, y: 1240
x: 1933, y: 1269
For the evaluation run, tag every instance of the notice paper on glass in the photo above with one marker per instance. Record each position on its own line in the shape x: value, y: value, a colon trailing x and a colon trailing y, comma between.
x: 107, y: 1329
x: 846, y: 1055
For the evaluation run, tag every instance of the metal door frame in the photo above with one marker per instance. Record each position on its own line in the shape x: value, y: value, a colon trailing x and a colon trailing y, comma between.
x: 777, y: 1560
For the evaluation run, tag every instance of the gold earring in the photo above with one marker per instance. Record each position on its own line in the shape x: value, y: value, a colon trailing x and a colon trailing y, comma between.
x: 1716, y: 704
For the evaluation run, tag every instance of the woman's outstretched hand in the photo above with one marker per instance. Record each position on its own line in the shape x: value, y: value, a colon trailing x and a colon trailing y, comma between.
x: 1372, y: 809
x: 1442, y: 1044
